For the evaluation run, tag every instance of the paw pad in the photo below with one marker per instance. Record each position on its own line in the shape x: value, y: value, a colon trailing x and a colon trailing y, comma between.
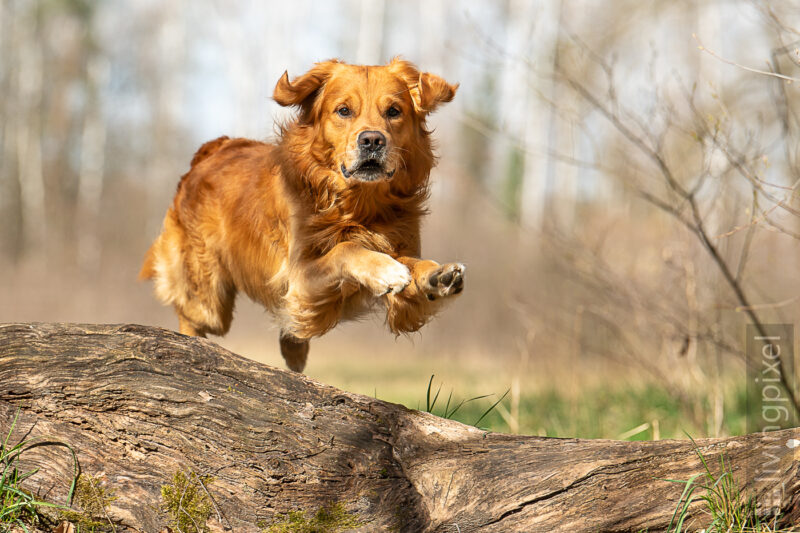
x: 445, y: 281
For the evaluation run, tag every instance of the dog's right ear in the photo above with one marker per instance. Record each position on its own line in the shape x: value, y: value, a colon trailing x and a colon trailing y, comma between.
x: 302, y: 90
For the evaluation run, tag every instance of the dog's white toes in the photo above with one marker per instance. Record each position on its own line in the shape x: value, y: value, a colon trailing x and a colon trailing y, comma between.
x: 396, y: 278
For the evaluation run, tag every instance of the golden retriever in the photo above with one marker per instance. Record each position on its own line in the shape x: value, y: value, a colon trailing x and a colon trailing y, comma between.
x: 319, y: 225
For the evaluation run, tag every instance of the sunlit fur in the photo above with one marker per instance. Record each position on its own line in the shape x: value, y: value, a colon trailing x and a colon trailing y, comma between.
x: 281, y: 223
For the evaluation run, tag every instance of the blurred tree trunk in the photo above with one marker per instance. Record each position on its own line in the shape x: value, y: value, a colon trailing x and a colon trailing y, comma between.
x: 62, y: 84
x: 164, y: 67
x: 560, y: 188
x: 11, y: 223
x: 28, y: 127
x: 370, y: 32
x: 92, y: 167
x: 137, y: 404
x: 515, y: 163
x: 433, y: 19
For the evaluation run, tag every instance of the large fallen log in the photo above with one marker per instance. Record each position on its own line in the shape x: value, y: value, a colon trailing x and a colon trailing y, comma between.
x: 138, y: 404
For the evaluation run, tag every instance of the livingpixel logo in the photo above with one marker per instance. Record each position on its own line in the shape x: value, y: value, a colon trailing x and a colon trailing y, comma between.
x: 771, y: 389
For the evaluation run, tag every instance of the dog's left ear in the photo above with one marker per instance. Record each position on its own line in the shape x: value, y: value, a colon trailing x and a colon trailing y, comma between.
x: 427, y: 90
x: 430, y: 92
x: 302, y: 90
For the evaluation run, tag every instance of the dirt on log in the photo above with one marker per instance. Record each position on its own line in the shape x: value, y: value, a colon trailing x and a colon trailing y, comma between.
x: 137, y: 404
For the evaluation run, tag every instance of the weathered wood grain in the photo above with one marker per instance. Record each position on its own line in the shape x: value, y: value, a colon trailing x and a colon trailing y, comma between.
x: 137, y: 403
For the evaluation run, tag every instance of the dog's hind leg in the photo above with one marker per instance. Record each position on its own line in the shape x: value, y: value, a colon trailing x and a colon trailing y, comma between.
x: 294, y: 351
x: 186, y: 327
x: 188, y: 275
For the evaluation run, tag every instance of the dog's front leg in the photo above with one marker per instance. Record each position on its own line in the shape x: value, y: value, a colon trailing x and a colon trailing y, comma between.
x: 317, y: 290
x: 375, y: 270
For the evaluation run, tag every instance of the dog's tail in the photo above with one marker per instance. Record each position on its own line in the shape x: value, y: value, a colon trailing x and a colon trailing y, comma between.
x: 209, y: 148
x: 148, y: 270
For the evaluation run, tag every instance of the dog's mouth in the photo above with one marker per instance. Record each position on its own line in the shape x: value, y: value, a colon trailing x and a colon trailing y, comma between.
x: 367, y: 170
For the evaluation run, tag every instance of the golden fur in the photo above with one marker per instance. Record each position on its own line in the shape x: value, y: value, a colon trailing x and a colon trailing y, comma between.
x: 319, y: 225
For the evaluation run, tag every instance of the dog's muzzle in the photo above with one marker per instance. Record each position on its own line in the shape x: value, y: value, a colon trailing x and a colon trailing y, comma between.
x: 371, y: 164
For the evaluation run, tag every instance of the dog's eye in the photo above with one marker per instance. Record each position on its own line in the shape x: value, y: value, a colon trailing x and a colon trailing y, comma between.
x: 393, y: 112
x: 344, y: 111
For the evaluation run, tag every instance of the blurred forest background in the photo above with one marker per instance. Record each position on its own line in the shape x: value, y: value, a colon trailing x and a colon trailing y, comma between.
x: 620, y: 178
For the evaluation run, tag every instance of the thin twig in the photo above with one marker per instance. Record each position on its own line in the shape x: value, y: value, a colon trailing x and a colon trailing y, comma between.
x: 749, y: 69
x: 214, y: 503
x: 753, y: 222
x: 181, y: 508
x: 99, y: 499
x: 775, y: 305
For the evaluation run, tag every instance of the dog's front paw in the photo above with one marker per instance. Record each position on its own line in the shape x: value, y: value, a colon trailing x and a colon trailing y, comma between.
x: 392, y: 278
x: 383, y: 275
x: 446, y: 280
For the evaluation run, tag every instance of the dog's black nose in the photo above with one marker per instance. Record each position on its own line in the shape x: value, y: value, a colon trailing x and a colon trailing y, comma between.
x: 371, y: 140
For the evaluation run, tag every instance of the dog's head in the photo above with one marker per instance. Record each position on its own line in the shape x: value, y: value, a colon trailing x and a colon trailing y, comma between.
x: 367, y: 123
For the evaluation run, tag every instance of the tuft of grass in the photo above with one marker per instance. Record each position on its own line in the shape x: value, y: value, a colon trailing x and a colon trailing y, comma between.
x: 594, y: 413
x: 331, y: 518
x: 729, y: 510
x: 187, y: 502
x: 450, y: 413
x: 92, y: 499
x: 18, y: 507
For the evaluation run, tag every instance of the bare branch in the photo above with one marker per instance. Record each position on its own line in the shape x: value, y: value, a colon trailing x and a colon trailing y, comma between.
x: 789, y: 79
x: 696, y: 224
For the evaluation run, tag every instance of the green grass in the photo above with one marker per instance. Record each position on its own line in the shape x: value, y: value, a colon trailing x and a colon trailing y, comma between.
x: 92, y: 498
x: 591, y: 400
x: 594, y: 414
x: 187, y: 502
x: 331, y: 518
x: 598, y: 413
x: 452, y: 408
x: 617, y: 411
x: 725, y: 508
x: 18, y: 507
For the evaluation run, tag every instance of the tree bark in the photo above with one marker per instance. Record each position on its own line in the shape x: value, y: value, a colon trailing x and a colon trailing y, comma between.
x: 139, y: 403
